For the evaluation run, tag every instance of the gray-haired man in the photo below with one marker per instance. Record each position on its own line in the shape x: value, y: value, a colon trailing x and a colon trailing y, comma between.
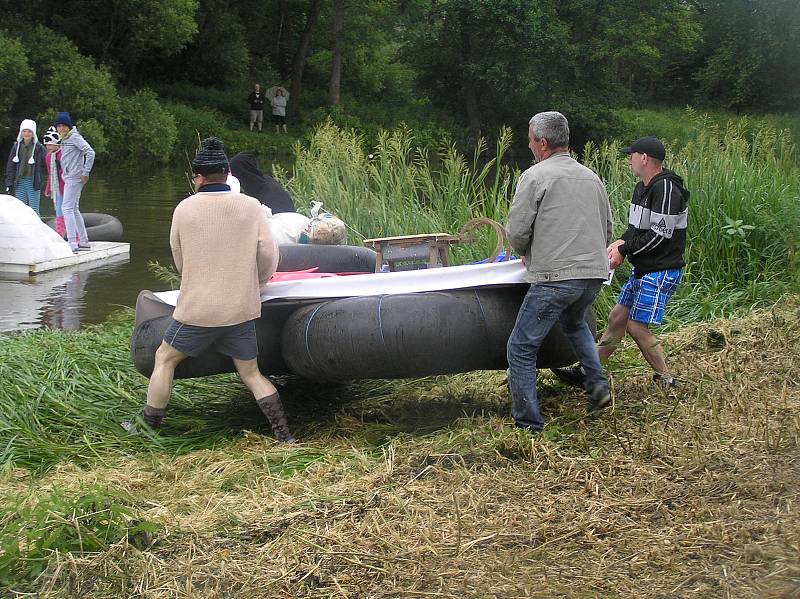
x: 560, y: 221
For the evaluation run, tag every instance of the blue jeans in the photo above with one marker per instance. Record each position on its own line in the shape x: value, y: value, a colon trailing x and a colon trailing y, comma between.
x: 544, y: 305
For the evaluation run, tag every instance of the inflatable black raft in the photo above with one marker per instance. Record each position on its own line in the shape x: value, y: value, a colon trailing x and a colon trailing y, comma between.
x: 99, y: 226
x: 386, y: 336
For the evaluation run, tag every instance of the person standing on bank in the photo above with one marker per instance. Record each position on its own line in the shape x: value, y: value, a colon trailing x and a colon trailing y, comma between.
x: 279, y: 110
x: 654, y: 243
x: 223, y: 248
x: 256, y: 99
x: 560, y: 221
x: 77, y: 159
x: 26, y: 171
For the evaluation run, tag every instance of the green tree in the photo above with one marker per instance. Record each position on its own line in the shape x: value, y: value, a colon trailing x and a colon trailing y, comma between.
x: 125, y: 35
x: 15, y: 72
x: 749, y: 56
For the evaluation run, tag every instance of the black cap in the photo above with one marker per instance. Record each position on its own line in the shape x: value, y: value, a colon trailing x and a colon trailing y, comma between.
x: 649, y: 145
x: 210, y: 158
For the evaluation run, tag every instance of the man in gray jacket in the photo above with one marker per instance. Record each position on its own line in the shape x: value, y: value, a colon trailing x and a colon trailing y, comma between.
x: 560, y: 221
x: 77, y: 159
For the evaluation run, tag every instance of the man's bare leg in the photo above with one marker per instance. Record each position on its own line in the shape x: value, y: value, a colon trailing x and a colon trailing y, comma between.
x: 648, y: 345
x: 159, y: 389
x: 615, y: 331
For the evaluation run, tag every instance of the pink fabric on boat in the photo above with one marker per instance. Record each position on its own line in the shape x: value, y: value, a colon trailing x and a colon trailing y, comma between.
x: 309, y: 273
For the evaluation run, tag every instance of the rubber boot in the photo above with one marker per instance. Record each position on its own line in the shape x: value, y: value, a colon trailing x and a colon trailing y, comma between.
x: 61, y: 229
x: 272, y: 408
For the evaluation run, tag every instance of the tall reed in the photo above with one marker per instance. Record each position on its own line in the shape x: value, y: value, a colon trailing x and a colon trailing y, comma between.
x: 741, y: 175
x: 398, y: 189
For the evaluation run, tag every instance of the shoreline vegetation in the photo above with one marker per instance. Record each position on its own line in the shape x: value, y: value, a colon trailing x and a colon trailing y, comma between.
x: 407, y: 488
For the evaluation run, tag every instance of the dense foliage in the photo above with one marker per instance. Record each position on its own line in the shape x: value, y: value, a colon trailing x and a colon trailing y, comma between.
x: 466, y: 67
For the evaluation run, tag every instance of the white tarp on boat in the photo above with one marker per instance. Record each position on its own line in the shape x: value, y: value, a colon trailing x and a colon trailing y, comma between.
x: 409, y: 281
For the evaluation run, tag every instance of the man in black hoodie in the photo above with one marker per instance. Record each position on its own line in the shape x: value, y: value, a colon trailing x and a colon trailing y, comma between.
x: 654, y: 243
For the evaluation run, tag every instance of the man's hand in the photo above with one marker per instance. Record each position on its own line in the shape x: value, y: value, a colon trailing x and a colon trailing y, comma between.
x: 614, y: 257
x: 84, y: 179
x: 617, y: 243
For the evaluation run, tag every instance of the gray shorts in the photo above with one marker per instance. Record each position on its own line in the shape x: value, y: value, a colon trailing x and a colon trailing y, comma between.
x: 237, y: 340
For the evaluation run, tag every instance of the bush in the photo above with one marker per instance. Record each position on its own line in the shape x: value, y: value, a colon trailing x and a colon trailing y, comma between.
x: 149, y: 129
x: 15, y: 72
x: 230, y: 103
x: 679, y: 126
x: 192, y: 125
x: 67, y: 80
x: 95, y: 134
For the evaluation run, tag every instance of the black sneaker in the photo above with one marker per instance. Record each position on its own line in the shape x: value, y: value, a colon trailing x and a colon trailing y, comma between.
x: 599, y: 398
x: 528, y: 429
x: 572, y: 375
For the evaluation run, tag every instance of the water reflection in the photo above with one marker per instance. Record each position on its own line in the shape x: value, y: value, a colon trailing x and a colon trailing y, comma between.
x: 54, y: 299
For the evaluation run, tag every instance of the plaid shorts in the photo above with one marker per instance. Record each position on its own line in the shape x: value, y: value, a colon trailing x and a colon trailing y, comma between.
x: 647, y: 296
x: 237, y: 341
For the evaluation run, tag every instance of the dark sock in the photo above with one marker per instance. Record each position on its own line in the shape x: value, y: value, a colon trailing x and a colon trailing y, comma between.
x: 272, y: 408
x: 153, y: 416
x: 266, y: 403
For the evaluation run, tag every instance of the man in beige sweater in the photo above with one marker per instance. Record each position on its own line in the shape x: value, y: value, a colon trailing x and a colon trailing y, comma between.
x: 225, y: 252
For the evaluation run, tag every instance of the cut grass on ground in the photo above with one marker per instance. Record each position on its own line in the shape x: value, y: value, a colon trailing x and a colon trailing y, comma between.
x: 422, y: 489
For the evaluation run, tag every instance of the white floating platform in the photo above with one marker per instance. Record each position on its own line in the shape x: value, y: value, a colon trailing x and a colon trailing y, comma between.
x: 101, y: 250
x: 28, y: 246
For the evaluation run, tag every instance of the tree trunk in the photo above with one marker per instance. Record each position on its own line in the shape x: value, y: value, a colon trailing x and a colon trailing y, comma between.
x: 284, y: 10
x: 299, y: 62
x: 336, y: 64
x: 470, y: 85
x: 471, y: 105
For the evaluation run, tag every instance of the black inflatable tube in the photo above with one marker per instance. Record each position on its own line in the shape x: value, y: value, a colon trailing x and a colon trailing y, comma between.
x: 392, y: 336
x: 326, y: 258
x: 411, y: 335
x: 147, y: 336
x: 99, y: 226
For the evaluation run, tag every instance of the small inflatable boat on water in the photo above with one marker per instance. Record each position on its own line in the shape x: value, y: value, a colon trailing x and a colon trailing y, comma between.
x: 379, y: 325
x: 99, y: 226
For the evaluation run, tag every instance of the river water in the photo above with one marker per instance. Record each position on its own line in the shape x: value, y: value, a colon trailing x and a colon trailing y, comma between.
x: 71, y: 298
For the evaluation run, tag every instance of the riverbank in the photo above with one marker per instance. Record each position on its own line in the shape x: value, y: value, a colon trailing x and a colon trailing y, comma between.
x: 411, y: 488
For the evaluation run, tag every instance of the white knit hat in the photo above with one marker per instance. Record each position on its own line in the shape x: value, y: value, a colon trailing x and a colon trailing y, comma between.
x: 29, y: 124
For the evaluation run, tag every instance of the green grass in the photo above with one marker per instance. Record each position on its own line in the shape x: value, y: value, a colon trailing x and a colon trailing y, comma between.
x: 64, y: 395
x: 421, y: 488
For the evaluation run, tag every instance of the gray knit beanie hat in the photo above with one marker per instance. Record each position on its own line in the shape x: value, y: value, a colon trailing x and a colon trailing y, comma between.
x: 210, y: 158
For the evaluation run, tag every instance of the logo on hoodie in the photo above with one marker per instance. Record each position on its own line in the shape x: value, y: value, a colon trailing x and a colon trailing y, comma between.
x: 661, y: 228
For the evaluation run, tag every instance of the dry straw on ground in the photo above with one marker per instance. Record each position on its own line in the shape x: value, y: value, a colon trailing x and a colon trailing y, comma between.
x: 670, y: 494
